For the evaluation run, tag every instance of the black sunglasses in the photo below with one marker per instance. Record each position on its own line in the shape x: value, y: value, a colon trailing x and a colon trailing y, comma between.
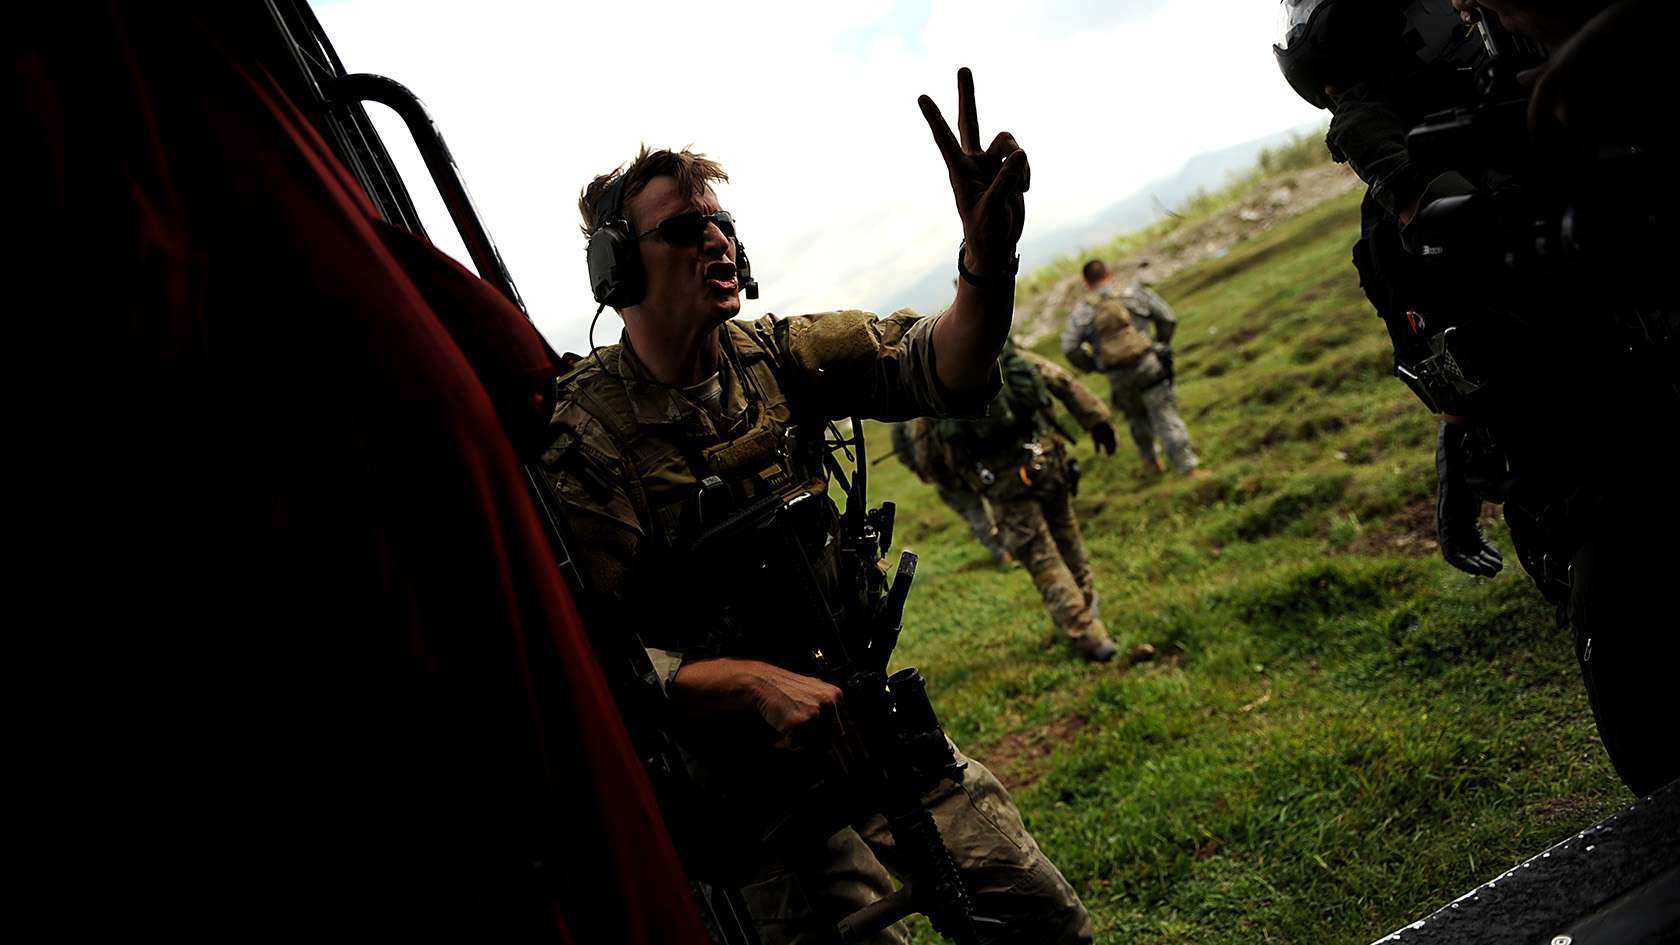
x: 686, y: 229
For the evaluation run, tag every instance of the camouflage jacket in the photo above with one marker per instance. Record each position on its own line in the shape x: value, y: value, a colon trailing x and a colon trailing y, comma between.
x: 1106, y: 332
x: 628, y: 454
x: 1029, y: 463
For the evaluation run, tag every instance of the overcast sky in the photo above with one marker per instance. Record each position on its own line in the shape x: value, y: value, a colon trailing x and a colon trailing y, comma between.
x: 838, y: 189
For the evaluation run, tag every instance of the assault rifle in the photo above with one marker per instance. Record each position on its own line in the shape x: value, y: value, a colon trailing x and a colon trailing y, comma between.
x: 892, y: 750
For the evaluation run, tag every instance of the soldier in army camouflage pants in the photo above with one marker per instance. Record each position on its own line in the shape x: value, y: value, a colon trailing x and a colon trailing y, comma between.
x: 1023, y: 471
x: 693, y: 405
x: 1103, y: 333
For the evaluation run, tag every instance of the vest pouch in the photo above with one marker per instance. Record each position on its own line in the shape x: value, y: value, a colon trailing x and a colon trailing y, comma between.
x: 1038, y: 469
x: 1044, y: 470
x: 749, y: 452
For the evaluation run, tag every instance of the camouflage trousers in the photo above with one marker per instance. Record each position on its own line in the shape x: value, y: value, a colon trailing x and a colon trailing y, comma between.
x: 1152, y: 414
x: 1008, y: 876
x: 1043, y: 534
x: 977, y: 514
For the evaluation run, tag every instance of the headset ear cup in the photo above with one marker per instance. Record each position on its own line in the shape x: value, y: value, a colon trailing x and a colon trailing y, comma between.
x: 743, y: 271
x: 615, y: 268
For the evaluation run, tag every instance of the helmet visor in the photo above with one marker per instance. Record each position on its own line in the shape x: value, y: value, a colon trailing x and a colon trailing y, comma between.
x: 1293, y: 17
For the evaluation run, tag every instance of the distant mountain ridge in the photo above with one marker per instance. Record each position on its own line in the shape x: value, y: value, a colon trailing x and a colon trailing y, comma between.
x: 1204, y: 172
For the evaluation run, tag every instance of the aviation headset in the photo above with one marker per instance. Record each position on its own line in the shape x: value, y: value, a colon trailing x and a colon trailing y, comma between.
x: 615, y: 266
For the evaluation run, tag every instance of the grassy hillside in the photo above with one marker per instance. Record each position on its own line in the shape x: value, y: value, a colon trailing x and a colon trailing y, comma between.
x: 1341, y: 732
x: 1299, y: 153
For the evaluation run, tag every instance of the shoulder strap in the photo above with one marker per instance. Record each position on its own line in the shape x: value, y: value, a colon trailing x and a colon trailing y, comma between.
x: 621, y: 428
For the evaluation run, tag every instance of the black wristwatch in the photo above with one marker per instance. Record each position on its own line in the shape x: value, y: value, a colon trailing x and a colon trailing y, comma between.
x: 980, y: 282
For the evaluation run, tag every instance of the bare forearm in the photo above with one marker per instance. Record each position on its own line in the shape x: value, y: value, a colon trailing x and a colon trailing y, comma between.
x: 988, y: 185
x: 784, y: 699
x: 967, y: 339
x: 709, y: 687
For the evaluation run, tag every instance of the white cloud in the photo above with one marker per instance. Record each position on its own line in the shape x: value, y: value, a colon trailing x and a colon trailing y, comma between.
x: 841, y: 195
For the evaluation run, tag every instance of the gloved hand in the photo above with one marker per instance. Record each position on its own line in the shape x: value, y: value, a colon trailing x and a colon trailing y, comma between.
x: 1457, y: 508
x: 1103, y: 436
x: 1164, y: 355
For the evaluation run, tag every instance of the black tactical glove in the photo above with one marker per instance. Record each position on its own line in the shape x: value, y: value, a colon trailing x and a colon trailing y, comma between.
x: 1457, y: 507
x: 1164, y: 355
x: 1103, y: 436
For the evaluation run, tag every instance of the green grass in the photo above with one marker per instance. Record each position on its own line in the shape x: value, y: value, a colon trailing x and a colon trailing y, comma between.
x: 1341, y: 733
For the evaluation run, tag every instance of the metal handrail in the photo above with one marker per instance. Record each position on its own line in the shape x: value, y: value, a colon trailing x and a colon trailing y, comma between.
x: 366, y: 87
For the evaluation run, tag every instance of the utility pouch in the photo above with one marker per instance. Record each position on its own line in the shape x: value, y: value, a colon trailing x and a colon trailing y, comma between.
x: 1039, y: 470
x: 1046, y: 468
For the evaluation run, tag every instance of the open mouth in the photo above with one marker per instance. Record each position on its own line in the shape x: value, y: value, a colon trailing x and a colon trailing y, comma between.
x: 720, y: 277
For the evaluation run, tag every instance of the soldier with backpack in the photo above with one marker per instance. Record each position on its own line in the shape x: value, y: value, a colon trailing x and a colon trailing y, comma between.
x: 1015, y: 458
x: 1105, y: 332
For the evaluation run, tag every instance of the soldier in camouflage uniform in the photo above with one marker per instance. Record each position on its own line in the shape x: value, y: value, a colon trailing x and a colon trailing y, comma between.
x: 689, y: 395
x: 1105, y: 333
x: 1015, y: 458
x: 910, y: 442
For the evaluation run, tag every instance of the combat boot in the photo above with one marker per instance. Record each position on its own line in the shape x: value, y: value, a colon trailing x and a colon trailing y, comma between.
x: 1095, y: 645
x: 1101, y: 653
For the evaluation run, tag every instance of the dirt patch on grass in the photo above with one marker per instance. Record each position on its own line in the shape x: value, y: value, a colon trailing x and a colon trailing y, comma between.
x: 1410, y: 531
x: 1208, y: 491
x: 1019, y: 759
x: 1268, y: 204
x: 1243, y: 335
x: 1570, y: 808
x: 1171, y: 655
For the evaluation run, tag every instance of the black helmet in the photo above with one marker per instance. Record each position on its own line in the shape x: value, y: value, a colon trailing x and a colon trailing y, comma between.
x: 1344, y: 42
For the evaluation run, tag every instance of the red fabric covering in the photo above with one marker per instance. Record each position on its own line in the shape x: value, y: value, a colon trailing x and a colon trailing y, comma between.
x: 309, y: 663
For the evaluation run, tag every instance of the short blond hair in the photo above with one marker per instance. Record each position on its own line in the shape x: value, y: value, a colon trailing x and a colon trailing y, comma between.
x: 693, y: 172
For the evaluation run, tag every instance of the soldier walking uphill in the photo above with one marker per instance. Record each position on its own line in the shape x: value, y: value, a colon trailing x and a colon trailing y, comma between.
x: 693, y: 410
x: 1104, y: 333
x: 1013, y: 457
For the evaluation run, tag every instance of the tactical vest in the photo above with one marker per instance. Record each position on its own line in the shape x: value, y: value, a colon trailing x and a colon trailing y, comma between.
x: 663, y: 463
x: 1120, y: 342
